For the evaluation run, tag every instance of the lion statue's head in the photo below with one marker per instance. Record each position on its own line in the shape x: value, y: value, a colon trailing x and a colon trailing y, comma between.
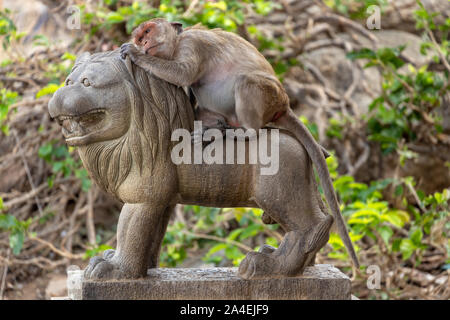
x: 119, y: 115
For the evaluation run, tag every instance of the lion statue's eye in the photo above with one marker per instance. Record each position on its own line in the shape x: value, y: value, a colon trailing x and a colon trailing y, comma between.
x: 86, y: 82
x: 69, y: 82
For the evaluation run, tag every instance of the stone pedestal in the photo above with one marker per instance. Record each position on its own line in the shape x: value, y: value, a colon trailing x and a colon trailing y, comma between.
x: 321, y: 282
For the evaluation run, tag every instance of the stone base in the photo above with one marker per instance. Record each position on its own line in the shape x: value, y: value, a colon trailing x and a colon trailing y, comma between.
x: 321, y: 282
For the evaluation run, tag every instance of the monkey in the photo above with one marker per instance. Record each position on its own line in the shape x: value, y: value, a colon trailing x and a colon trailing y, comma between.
x: 232, y: 81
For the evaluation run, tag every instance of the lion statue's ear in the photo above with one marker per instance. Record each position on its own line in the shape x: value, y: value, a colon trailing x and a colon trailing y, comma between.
x: 82, y: 58
x: 177, y: 26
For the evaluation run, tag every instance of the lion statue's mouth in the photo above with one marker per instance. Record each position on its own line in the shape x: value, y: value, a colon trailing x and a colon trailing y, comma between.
x: 76, y: 128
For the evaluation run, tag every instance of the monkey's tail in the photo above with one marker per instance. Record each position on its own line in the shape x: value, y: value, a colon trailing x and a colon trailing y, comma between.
x: 290, y: 122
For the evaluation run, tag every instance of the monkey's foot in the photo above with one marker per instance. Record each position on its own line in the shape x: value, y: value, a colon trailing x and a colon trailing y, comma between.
x: 128, y: 49
x: 197, y: 135
x: 222, y: 125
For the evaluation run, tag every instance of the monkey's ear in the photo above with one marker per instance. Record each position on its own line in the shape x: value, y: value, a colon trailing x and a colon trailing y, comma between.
x: 178, y: 27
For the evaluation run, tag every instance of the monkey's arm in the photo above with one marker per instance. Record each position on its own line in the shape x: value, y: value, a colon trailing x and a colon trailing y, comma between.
x: 181, y: 72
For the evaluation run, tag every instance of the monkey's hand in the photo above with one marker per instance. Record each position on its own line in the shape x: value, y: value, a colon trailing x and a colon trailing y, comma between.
x: 128, y: 49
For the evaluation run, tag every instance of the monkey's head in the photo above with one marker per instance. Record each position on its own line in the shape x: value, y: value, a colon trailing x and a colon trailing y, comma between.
x: 157, y: 37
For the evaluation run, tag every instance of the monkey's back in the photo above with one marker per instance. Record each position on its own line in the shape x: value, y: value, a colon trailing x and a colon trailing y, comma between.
x: 218, y: 47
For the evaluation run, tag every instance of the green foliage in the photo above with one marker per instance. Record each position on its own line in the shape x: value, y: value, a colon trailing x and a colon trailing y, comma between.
x: 17, y: 230
x: 249, y: 226
x: 174, y: 245
x: 95, y: 250
x: 8, y: 31
x: 48, y: 90
x: 61, y: 160
x: 224, y: 14
x: 312, y: 127
x: 208, y: 226
x: 355, y: 9
x: 56, y: 72
x: 409, y: 97
x: 7, y: 99
x: 228, y: 15
x: 369, y: 216
x: 406, y: 99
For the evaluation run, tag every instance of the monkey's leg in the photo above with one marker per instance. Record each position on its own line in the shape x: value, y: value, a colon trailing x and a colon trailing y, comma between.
x: 140, y: 232
x: 260, y: 99
x: 208, y: 117
x: 210, y: 120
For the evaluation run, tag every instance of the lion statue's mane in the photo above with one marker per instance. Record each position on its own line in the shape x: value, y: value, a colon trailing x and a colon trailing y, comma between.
x: 157, y: 108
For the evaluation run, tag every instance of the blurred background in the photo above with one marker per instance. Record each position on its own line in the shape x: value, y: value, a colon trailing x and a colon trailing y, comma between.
x: 369, y: 78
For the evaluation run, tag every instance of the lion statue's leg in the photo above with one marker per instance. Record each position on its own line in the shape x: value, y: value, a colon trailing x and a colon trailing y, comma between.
x: 291, y: 199
x: 140, y: 232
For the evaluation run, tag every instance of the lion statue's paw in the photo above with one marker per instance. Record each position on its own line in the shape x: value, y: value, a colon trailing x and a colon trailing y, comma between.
x: 109, y: 254
x: 259, y: 264
x: 102, y: 269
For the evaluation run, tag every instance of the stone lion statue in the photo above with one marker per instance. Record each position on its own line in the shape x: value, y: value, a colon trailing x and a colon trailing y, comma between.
x: 121, y: 119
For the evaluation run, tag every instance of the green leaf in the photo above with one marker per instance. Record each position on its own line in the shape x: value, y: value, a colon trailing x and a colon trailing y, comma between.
x: 338, y: 255
x: 16, y: 240
x: 235, y: 233
x: 251, y: 231
x: 407, y: 248
x: 271, y: 241
x: 396, y: 217
x: 364, y: 53
x: 48, y: 89
x: 216, y: 248
x: 114, y: 17
x: 385, y: 233
x: 232, y: 252
x: 335, y: 241
x: 69, y: 56
x: 45, y: 151
x: 416, y: 237
x: 396, y: 245
x: 7, y: 221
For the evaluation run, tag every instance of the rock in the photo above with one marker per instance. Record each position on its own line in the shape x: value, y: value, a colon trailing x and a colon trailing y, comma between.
x: 339, y: 71
x: 396, y: 38
x: 320, y: 282
x: 57, y: 287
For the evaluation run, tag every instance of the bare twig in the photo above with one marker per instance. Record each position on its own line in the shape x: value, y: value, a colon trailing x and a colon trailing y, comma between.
x: 27, y: 170
x: 90, y: 217
x: 5, y: 272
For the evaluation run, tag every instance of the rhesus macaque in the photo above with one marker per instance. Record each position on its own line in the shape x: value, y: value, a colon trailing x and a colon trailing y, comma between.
x: 230, y: 79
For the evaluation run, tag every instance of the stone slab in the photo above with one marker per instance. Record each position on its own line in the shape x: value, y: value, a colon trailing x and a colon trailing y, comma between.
x: 320, y: 282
